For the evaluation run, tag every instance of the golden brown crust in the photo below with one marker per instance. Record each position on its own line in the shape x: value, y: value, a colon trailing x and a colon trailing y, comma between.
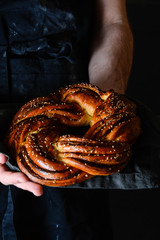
x: 93, y: 157
x: 47, y: 156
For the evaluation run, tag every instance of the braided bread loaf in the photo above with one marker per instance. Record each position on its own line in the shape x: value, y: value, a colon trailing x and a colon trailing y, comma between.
x: 39, y: 137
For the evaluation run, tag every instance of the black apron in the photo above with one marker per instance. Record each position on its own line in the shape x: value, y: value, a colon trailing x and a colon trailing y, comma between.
x: 44, y: 45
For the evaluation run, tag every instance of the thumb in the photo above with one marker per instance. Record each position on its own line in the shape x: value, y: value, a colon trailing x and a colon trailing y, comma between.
x: 3, y: 158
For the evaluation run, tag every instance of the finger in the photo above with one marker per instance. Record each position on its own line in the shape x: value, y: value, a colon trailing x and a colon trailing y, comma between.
x: 3, y: 158
x: 8, y: 177
x: 20, y: 180
x: 35, y: 188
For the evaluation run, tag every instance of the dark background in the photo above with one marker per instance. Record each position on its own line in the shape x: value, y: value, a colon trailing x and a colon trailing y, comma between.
x: 136, y: 214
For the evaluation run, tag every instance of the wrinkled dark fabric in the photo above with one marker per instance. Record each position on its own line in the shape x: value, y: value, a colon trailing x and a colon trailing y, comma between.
x: 66, y: 214
x: 42, y: 41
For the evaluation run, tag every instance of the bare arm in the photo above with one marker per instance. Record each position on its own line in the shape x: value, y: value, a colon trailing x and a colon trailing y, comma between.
x: 112, y: 52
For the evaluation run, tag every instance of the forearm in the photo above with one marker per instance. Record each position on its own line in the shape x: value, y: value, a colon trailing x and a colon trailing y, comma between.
x: 111, y: 56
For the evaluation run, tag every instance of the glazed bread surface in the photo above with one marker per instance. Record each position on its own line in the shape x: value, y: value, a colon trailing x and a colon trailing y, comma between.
x: 43, y: 141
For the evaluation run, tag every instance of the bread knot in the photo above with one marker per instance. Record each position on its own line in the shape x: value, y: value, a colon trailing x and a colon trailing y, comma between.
x: 42, y: 138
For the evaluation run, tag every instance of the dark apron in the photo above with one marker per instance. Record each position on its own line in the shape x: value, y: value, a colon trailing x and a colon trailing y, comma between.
x: 44, y: 45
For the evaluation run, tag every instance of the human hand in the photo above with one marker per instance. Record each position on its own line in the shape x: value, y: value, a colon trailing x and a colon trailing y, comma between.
x: 18, y: 179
